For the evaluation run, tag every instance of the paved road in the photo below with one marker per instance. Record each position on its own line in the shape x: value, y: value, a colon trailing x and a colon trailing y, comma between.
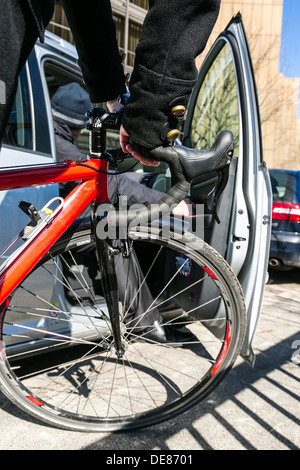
x: 252, y: 409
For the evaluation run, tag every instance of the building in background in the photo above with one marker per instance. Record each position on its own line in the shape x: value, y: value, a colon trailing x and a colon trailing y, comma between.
x: 278, y: 95
x: 129, y: 17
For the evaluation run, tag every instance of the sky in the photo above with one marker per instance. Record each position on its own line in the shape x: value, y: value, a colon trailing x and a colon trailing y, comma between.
x: 290, y: 41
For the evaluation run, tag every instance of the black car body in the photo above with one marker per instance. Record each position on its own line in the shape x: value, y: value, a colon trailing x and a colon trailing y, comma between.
x: 285, y: 238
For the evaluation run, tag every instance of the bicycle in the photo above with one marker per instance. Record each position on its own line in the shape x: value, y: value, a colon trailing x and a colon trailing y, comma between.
x: 96, y: 372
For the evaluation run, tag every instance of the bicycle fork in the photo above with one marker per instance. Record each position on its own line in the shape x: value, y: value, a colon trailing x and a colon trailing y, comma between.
x: 106, y: 259
x: 100, y: 121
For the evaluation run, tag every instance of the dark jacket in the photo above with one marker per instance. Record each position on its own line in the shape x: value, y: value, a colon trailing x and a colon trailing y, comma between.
x: 42, y: 12
x: 174, y: 33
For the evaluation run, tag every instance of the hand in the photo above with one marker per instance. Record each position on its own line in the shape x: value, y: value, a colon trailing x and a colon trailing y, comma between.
x: 126, y: 147
x: 114, y: 106
x: 184, y: 208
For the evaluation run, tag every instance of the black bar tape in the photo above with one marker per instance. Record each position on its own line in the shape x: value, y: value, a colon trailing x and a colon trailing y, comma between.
x: 162, y: 207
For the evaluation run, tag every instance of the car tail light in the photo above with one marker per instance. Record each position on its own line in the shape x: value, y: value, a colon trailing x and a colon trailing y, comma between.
x: 286, y: 211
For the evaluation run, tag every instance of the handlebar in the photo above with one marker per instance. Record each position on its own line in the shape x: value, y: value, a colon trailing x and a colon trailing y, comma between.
x: 185, y: 164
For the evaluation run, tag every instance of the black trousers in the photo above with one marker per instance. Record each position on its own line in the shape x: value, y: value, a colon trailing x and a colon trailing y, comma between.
x: 134, y: 293
x: 17, y: 36
x: 174, y: 33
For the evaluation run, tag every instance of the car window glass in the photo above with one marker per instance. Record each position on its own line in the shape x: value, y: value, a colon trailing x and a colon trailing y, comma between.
x: 283, y: 186
x: 19, y: 130
x: 217, y: 105
x: 58, y: 74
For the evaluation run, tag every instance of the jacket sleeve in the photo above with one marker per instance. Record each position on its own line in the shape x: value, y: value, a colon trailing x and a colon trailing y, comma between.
x: 94, y: 33
x: 42, y: 11
x: 66, y: 150
x: 175, y: 32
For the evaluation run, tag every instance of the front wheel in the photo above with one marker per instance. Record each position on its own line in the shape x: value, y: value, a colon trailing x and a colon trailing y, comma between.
x: 58, y: 361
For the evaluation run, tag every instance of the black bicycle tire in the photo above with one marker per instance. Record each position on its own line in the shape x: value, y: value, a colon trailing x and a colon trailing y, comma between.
x: 213, y: 262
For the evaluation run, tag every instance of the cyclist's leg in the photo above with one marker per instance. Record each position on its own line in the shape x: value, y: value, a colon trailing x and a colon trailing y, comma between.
x: 139, y: 313
x: 134, y: 293
x: 18, y: 33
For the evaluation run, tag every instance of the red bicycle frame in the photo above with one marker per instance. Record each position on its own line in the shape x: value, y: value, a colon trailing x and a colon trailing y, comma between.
x: 92, y: 188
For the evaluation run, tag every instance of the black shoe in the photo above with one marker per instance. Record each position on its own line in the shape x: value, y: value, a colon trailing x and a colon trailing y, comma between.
x: 167, y: 334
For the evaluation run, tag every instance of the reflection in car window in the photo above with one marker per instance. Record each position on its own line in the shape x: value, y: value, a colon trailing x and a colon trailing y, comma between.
x: 19, y: 129
x: 57, y: 74
x: 283, y: 186
x: 217, y: 105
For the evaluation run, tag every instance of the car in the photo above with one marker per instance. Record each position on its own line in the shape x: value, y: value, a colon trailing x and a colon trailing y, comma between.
x: 224, y: 97
x: 285, y: 237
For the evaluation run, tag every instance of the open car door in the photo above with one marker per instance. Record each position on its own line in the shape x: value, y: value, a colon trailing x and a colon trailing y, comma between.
x: 225, y: 97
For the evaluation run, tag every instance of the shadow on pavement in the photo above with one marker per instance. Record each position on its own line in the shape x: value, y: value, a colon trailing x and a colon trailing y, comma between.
x: 254, y: 408
x: 240, y: 378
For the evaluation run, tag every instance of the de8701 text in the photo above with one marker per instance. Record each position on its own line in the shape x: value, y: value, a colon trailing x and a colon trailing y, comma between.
x: 171, y: 459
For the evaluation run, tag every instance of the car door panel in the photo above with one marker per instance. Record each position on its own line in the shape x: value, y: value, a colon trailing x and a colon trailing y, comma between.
x: 225, y: 97
x: 26, y: 143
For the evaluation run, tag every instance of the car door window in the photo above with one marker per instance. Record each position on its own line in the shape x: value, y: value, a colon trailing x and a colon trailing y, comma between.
x: 58, y: 73
x: 217, y: 104
x: 19, y: 130
x: 28, y: 126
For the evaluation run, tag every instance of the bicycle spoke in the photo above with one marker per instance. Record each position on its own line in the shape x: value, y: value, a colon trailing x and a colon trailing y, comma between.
x: 143, y: 282
x: 77, y: 297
